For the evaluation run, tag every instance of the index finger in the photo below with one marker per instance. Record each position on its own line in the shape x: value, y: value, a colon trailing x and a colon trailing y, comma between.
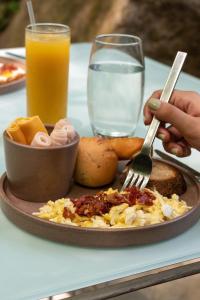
x: 146, y: 111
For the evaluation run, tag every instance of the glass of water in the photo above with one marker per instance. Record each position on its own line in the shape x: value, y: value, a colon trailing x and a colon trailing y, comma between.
x: 115, y: 84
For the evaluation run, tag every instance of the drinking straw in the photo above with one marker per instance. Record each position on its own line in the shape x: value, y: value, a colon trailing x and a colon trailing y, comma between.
x: 30, y: 12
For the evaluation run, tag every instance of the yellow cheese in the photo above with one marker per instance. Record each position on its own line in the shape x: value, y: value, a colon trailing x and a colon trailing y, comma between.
x: 15, y: 133
x: 23, y: 130
x: 30, y: 127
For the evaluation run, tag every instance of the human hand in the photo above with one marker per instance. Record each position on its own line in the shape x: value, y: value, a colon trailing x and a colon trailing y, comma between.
x: 183, y: 115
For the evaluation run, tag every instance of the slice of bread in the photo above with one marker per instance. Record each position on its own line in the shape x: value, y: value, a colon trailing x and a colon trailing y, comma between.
x: 166, y: 179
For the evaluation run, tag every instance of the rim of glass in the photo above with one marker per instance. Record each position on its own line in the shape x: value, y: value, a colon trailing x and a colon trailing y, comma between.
x: 136, y: 40
x: 33, y: 28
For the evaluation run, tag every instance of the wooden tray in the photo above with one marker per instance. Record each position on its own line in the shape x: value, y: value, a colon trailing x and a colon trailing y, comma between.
x: 20, y: 213
x: 15, y: 84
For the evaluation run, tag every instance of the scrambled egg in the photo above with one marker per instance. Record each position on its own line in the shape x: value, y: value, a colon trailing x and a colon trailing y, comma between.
x: 120, y: 216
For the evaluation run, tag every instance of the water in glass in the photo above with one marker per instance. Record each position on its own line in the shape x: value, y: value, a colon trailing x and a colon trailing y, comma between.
x: 115, y: 88
x: 114, y: 97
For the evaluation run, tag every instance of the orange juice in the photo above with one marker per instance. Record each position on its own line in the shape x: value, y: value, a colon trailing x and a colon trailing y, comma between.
x: 47, y: 63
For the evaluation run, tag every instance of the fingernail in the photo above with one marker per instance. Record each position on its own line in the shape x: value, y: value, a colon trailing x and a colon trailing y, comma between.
x: 154, y: 103
x: 186, y: 151
x: 145, y: 119
x: 175, y: 151
x: 161, y: 136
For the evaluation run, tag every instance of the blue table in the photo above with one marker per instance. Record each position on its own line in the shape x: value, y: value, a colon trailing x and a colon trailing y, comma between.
x: 33, y: 268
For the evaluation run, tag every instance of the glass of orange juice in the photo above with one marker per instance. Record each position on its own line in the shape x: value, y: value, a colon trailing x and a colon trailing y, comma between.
x: 47, y: 64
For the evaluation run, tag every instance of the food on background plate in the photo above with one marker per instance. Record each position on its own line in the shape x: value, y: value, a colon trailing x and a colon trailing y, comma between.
x: 98, y: 157
x: 10, y: 72
x: 114, y: 209
x: 31, y: 131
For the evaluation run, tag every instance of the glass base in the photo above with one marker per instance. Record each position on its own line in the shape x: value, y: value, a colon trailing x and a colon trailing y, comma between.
x: 109, y: 134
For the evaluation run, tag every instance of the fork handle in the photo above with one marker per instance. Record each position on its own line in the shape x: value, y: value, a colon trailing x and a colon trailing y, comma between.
x: 165, y: 97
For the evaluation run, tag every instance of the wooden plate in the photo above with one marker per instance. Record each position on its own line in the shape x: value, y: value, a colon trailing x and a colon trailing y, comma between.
x: 20, y: 213
x: 15, y: 84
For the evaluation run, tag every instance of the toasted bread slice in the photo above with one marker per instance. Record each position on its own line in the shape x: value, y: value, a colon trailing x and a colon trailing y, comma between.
x: 166, y: 179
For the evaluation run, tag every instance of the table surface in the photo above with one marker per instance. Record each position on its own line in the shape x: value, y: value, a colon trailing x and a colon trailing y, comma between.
x: 33, y: 268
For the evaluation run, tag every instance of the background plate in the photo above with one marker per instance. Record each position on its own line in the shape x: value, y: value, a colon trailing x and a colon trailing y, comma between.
x: 20, y: 213
x: 16, y: 84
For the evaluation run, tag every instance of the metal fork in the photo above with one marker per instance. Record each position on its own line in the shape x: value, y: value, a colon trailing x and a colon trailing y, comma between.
x: 141, y: 166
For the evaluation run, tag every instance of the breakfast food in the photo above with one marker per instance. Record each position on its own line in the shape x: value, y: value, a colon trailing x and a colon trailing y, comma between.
x: 125, y: 148
x: 23, y: 130
x: 166, y: 179
x: 10, y: 72
x: 30, y: 126
x: 15, y: 133
x: 41, y: 139
x: 96, y: 163
x: 113, y: 209
x: 63, y: 133
x: 98, y: 158
x: 31, y: 131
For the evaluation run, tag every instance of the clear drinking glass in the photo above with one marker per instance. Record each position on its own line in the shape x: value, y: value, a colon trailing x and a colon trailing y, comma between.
x: 115, y: 84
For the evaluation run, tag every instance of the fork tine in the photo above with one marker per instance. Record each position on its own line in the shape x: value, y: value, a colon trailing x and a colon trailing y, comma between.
x: 127, y: 180
x: 144, y: 183
x: 133, y: 180
x: 140, y: 178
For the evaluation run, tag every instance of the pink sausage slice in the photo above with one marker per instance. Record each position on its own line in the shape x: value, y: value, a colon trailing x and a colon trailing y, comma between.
x: 41, y: 139
x: 59, y: 137
x: 63, y: 133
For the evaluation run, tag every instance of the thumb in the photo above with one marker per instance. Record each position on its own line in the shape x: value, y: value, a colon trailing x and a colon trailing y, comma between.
x: 169, y: 113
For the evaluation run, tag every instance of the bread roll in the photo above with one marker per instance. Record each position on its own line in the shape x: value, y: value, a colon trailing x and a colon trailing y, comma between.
x: 125, y: 148
x: 96, y: 163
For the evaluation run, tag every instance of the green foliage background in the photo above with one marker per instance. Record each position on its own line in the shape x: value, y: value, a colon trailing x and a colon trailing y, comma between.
x: 7, y: 9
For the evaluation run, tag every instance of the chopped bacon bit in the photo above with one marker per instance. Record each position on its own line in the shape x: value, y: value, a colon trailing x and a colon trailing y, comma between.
x: 142, y: 197
x: 68, y: 214
x: 91, y: 205
x: 101, y: 203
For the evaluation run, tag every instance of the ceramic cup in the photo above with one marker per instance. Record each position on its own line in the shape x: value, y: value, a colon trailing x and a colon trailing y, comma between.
x: 39, y: 174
